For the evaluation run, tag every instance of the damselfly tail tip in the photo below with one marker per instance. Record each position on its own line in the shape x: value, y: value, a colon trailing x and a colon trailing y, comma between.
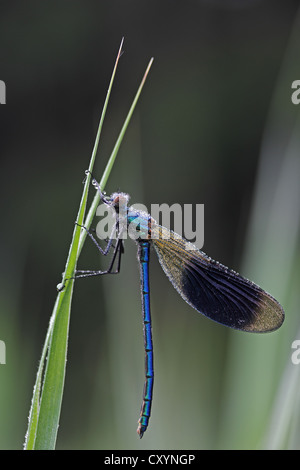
x: 140, y: 431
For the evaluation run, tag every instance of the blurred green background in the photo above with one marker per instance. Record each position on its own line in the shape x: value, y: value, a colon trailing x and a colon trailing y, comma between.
x: 215, y: 125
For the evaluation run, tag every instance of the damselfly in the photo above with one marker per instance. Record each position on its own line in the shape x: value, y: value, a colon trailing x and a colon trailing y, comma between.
x: 206, y: 285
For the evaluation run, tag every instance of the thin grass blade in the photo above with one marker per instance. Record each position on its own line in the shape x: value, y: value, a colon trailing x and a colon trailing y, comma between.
x: 46, y: 405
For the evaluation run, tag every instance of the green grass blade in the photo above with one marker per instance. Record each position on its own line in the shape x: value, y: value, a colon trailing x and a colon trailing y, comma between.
x: 112, y: 158
x: 35, y: 403
x: 51, y: 399
x: 45, y: 409
x: 46, y: 405
x: 104, y: 110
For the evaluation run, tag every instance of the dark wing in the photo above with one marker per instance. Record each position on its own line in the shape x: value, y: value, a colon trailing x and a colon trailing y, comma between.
x: 216, y: 291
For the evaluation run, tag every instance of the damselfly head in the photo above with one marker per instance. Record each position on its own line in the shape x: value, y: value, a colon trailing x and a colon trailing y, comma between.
x: 119, y: 201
